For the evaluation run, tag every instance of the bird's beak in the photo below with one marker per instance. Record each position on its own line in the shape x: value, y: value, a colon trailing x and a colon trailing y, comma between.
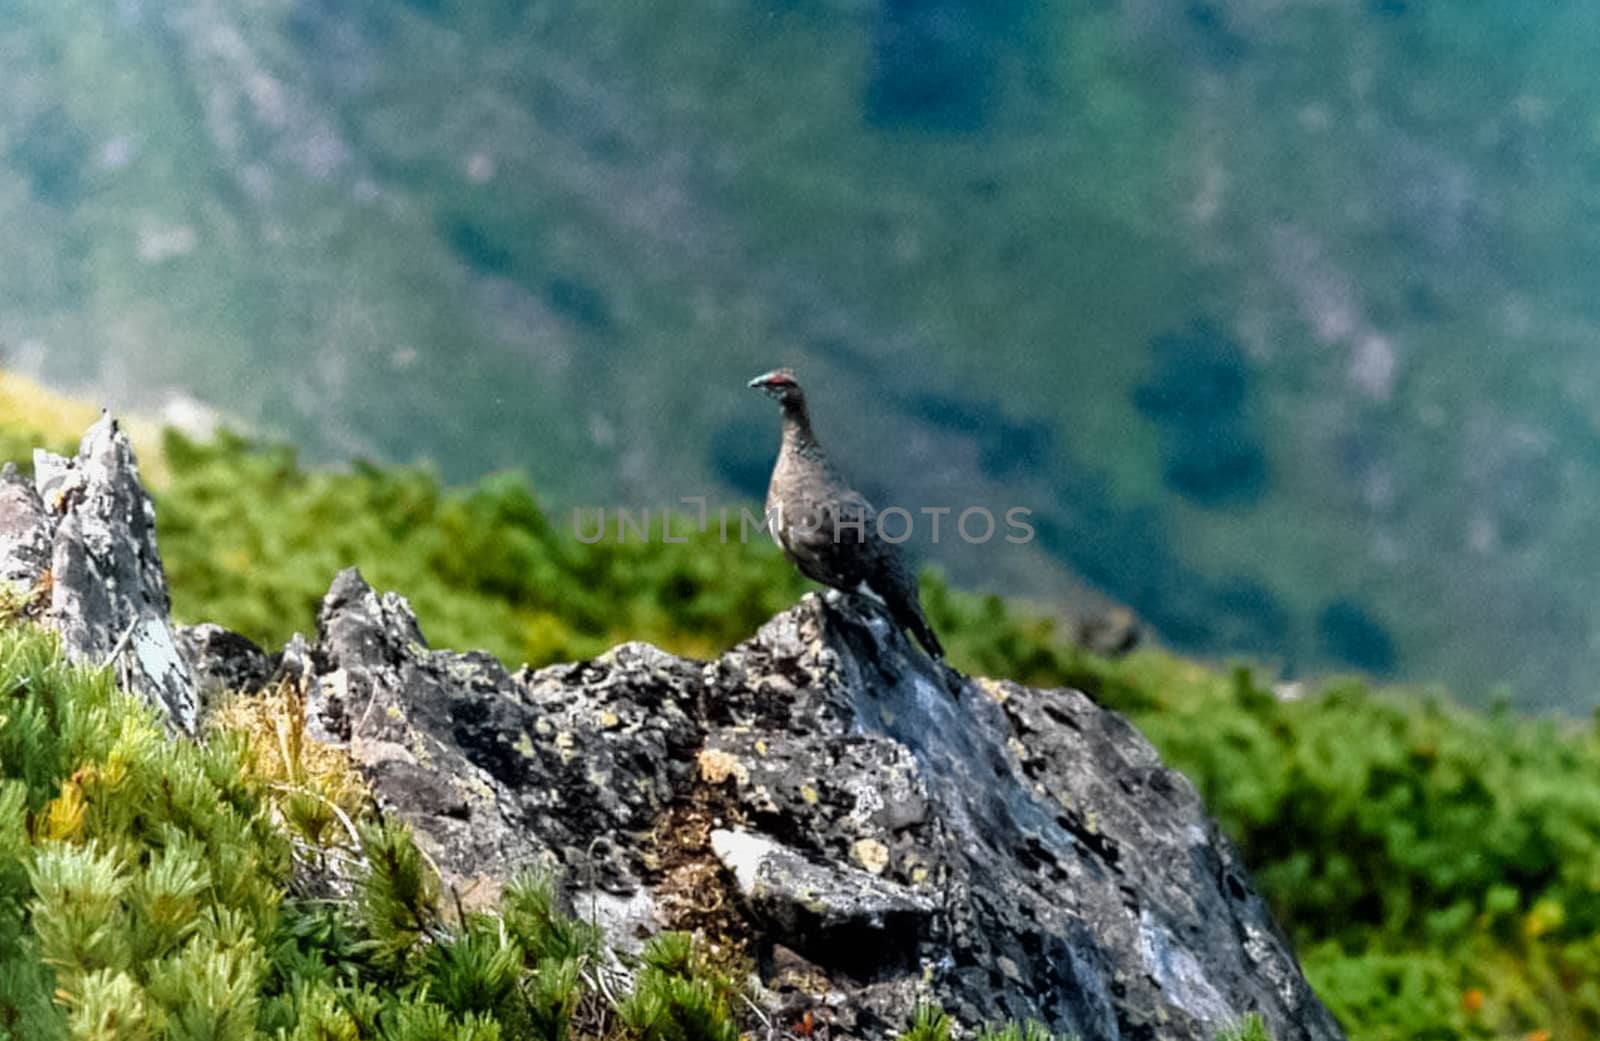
x: 759, y: 383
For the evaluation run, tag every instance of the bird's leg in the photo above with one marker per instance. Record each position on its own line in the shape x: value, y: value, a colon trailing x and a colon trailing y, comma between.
x: 866, y: 592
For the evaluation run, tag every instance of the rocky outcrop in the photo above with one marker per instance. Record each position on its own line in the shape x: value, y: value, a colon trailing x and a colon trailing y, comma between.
x: 815, y: 797
x: 79, y: 542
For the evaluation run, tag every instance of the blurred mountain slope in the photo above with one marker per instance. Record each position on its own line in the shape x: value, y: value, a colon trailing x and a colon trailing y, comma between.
x: 1273, y: 313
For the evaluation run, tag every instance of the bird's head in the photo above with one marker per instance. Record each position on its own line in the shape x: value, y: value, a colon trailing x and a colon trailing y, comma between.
x: 780, y: 385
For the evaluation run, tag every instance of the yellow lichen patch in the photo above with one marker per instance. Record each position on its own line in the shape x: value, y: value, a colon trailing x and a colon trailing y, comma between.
x: 992, y: 688
x: 608, y: 719
x: 870, y: 854
x: 717, y: 766
x: 809, y: 794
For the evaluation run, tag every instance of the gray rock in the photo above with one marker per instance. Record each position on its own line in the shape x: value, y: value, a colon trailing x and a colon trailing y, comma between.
x: 849, y: 917
x: 24, y: 532
x: 107, y: 591
x: 373, y: 688
x: 223, y: 662
x: 817, y: 793
x: 1110, y: 633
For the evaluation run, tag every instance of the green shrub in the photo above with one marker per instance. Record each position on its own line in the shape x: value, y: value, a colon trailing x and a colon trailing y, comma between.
x: 1437, y: 868
x: 1252, y: 1028
x: 146, y: 893
x: 1027, y: 1031
x: 531, y: 915
x: 928, y: 1023
x: 678, y: 996
x: 134, y: 886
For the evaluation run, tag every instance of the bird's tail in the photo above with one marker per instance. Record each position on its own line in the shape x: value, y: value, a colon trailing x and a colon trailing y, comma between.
x: 917, y: 622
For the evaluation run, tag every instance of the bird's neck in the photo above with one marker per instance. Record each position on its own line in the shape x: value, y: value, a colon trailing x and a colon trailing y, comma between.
x: 797, y: 435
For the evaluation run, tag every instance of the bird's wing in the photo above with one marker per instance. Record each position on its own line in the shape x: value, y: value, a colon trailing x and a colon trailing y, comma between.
x: 893, y: 579
x: 831, y: 539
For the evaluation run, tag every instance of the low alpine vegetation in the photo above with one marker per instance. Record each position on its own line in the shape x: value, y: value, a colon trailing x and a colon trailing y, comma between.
x: 243, y: 888
x: 159, y: 889
x: 1435, y: 866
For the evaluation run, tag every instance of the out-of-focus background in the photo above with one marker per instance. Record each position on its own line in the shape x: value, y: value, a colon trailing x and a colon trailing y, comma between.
x: 1277, y: 314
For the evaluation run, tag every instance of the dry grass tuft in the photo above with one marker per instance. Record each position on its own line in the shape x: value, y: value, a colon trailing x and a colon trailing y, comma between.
x: 317, y: 788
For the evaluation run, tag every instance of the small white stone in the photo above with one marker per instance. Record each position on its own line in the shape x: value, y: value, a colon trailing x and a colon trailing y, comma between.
x: 743, y: 854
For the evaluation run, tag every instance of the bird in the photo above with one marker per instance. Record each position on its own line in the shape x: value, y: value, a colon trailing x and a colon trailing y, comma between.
x: 828, y: 529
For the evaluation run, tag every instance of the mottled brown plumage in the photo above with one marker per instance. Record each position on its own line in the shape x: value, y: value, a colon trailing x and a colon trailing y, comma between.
x: 828, y: 529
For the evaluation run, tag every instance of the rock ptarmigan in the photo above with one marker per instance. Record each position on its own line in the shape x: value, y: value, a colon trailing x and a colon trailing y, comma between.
x: 827, y: 528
